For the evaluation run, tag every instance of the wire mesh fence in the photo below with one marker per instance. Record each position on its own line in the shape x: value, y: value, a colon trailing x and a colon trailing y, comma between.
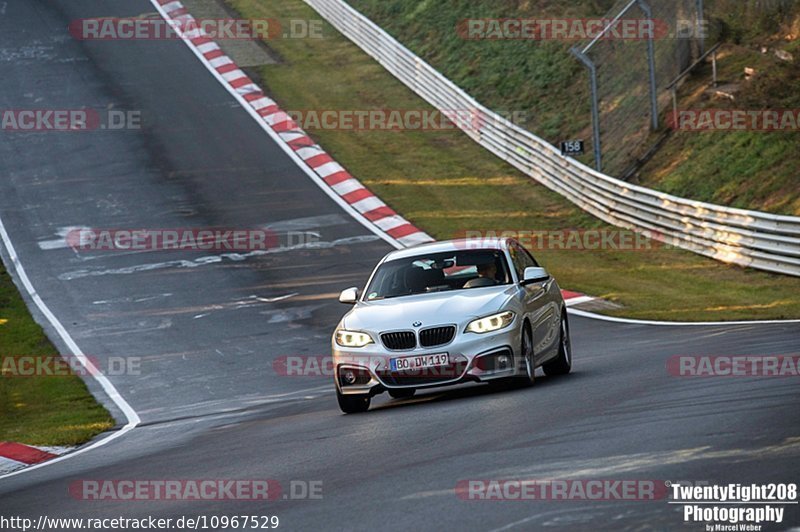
x: 632, y: 72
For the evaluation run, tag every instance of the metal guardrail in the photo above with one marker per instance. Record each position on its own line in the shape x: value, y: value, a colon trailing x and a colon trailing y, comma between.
x: 747, y: 238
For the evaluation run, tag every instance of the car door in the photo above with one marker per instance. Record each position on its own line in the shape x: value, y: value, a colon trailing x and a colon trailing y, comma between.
x: 552, y: 301
x: 537, y: 302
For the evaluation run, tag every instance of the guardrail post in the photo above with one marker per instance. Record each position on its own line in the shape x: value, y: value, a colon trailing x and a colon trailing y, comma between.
x: 674, y: 91
x: 714, y: 68
x: 651, y: 62
x: 598, y: 154
x: 701, y: 35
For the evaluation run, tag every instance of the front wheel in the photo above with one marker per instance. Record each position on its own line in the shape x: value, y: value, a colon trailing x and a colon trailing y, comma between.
x: 353, y: 404
x: 562, y: 364
x: 526, y: 351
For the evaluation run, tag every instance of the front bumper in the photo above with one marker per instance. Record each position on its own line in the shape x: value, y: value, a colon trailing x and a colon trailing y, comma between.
x: 473, y: 358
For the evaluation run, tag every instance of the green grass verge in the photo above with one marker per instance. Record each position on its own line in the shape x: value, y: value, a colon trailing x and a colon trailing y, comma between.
x: 743, y: 169
x: 753, y: 170
x: 41, y: 410
x: 446, y: 184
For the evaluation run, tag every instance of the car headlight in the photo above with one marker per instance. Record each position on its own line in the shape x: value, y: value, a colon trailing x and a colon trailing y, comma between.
x: 491, y: 323
x: 352, y: 338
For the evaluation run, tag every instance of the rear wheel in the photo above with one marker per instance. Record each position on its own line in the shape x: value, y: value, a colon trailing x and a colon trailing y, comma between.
x: 403, y: 393
x: 562, y: 364
x: 353, y: 404
x: 526, y: 351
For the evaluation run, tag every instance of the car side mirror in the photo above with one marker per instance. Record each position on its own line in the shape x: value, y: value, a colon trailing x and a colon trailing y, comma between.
x: 349, y: 296
x: 535, y: 275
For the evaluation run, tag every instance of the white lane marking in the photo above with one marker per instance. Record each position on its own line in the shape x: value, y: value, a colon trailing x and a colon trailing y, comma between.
x: 578, y: 300
x: 281, y: 143
x: 139, y: 327
x: 130, y: 414
x: 248, y: 302
x: 3, y: 9
x: 253, y: 300
x: 600, y: 317
x: 222, y: 407
x: 61, y: 242
x: 273, y: 299
x: 213, y: 259
x: 291, y: 314
x: 610, y: 466
x: 288, y: 394
x: 539, y: 516
x: 308, y: 222
x: 130, y: 299
x: 229, y: 413
x: 83, y: 257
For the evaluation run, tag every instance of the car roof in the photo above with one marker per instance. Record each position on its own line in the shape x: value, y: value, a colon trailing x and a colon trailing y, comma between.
x: 462, y: 244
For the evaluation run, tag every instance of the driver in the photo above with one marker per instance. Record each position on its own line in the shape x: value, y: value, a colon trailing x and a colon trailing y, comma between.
x: 487, y: 276
x: 488, y: 271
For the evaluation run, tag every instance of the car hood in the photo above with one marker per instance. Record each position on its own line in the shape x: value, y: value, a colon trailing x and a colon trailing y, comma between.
x: 431, y: 309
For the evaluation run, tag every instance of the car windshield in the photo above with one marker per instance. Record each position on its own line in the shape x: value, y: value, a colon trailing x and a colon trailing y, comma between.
x: 438, y: 272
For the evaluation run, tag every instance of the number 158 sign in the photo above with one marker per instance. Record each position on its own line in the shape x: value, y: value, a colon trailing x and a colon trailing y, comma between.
x: 572, y: 147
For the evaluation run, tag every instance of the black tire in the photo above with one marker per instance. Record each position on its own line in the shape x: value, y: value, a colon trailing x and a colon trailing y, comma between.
x: 353, y: 404
x: 562, y: 364
x: 403, y: 393
x: 527, y: 360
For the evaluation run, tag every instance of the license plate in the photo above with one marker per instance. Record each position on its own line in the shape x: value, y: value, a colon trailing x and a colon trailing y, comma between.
x: 419, y: 362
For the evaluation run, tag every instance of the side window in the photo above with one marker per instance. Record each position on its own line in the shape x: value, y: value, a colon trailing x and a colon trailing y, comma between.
x: 530, y: 261
x: 521, y: 259
x: 516, y: 259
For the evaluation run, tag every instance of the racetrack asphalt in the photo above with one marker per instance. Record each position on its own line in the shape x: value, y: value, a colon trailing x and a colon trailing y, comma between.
x: 208, y: 331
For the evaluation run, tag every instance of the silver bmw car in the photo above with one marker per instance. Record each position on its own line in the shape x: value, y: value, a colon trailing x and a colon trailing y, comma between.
x: 447, y: 313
